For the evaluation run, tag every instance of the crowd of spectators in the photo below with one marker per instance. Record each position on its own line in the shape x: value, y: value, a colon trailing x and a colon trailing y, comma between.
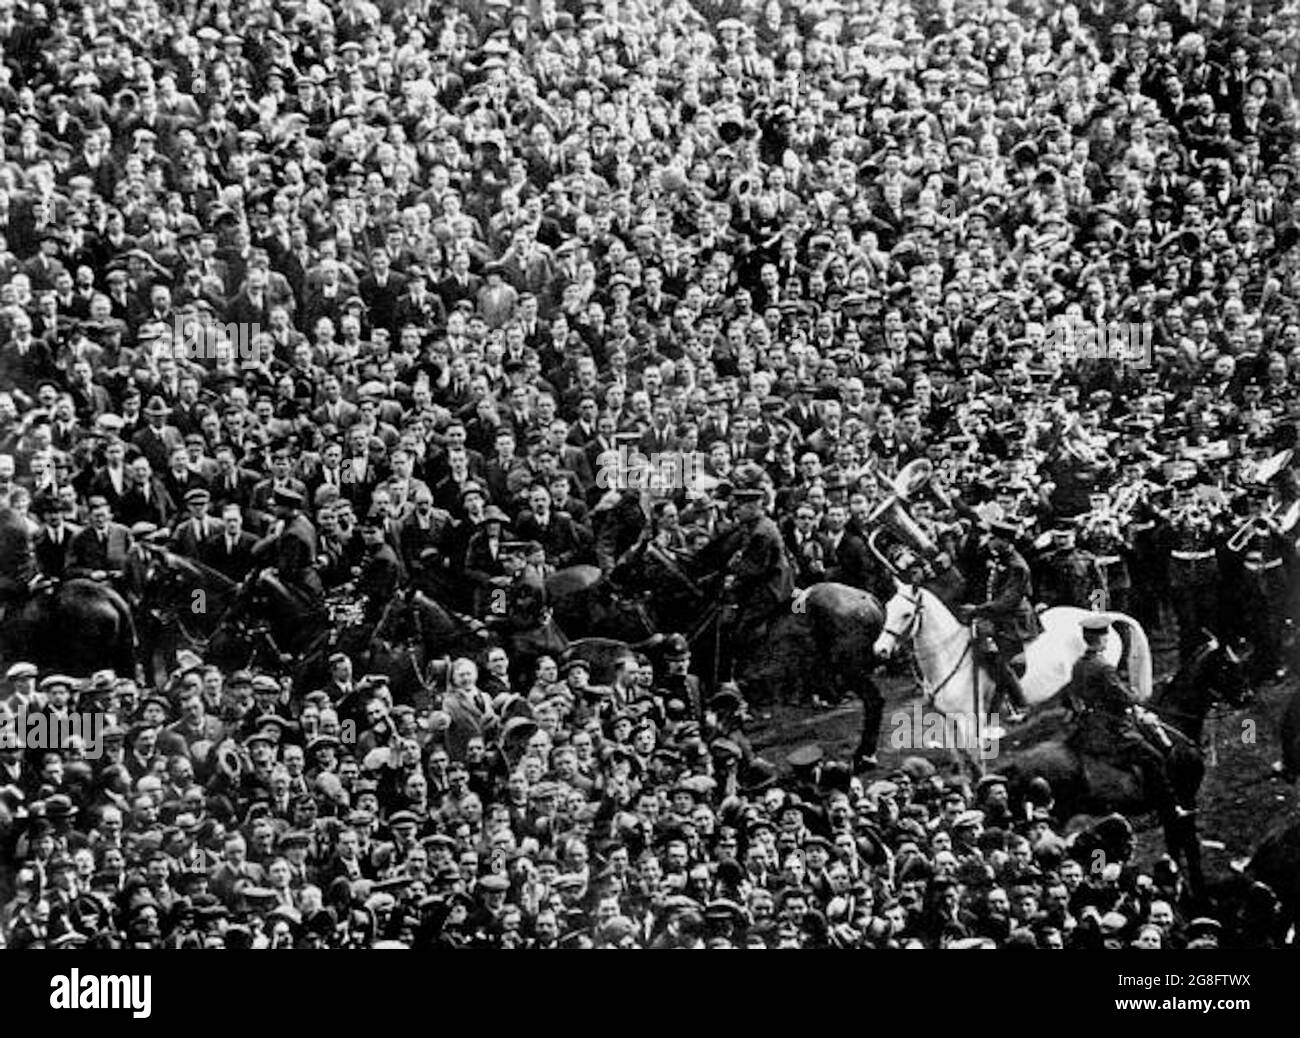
x: 382, y: 262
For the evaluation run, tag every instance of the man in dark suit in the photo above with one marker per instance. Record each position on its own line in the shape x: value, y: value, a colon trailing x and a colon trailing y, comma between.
x: 381, y: 290
x: 426, y: 527
x: 230, y: 551
x: 418, y: 305
x: 158, y: 439
x: 99, y: 551
x: 146, y: 500
x: 334, y: 410
x: 179, y: 479
x: 360, y: 472
x: 194, y: 531
x: 232, y: 483
x: 759, y: 578
x: 847, y: 558
x: 380, y: 571
x: 660, y: 438
x: 52, y: 545
x: 459, y: 284
x: 113, y: 480
x: 261, y: 503
x: 565, y: 543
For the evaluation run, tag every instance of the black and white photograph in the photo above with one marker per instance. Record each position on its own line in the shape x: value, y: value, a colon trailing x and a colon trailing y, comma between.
x: 651, y: 474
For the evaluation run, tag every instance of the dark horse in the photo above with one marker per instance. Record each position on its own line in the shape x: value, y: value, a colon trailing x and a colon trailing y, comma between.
x: 181, y: 603
x: 818, y: 646
x: 260, y: 623
x: 1276, y: 863
x: 78, y: 626
x: 585, y: 605
x: 1087, y: 785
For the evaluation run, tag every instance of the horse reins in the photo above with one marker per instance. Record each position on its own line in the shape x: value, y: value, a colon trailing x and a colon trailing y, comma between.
x: 912, y: 629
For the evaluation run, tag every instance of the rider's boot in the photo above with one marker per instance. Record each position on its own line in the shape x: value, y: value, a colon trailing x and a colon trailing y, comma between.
x: 1156, y: 778
x: 1007, y: 691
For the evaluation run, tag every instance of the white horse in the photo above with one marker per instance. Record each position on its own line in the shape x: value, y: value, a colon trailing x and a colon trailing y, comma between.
x: 950, y: 666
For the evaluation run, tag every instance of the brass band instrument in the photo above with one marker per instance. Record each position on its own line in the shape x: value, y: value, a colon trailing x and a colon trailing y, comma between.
x: 1127, y: 499
x: 1250, y: 526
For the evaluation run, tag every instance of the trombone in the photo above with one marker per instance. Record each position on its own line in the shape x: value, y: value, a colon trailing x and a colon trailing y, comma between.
x: 1265, y: 523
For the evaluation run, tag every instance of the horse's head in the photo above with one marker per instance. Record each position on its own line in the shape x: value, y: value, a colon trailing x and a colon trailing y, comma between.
x: 902, y: 618
x: 1224, y: 674
x: 152, y: 571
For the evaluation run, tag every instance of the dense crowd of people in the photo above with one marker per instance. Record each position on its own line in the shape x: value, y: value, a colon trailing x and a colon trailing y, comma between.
x: 342, y: 299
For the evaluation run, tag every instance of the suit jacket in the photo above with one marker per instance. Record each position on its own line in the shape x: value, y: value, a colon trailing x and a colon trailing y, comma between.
x: 451, y: 291
x: 348, y: 413
x: 382, y: 299
x: 222, y: 880
x: 414, y: 537
x: 158, y: 444
x: 102, y: 485
x: 236, y: 564
x: 51, y: 558
x: 86, y: 553
x: 566, y: 543
x: 177, y: 487
x: 236, y: 488
x: 403, y: 491
x: 188, y: 541
x: 158, y: 508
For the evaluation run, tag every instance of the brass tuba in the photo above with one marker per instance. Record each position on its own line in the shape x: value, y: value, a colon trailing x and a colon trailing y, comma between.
x: 892, y: 513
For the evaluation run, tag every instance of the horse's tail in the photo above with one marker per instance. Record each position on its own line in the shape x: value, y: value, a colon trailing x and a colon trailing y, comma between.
x: 1139, y: 655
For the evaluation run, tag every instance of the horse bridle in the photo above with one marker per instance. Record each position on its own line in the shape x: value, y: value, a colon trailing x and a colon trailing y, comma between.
x: 911, y: 630
x: 913, y: 626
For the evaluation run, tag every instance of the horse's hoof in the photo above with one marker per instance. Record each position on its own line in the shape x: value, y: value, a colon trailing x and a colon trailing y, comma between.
x: 866, y: 762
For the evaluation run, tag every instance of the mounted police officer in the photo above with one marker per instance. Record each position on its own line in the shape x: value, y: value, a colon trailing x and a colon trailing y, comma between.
x: 1005, y: 620
x: 519, y: 609
x: 1107, y: 725
x: 292, y: 545
x: 380, y: 576
x: 759, y: 579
